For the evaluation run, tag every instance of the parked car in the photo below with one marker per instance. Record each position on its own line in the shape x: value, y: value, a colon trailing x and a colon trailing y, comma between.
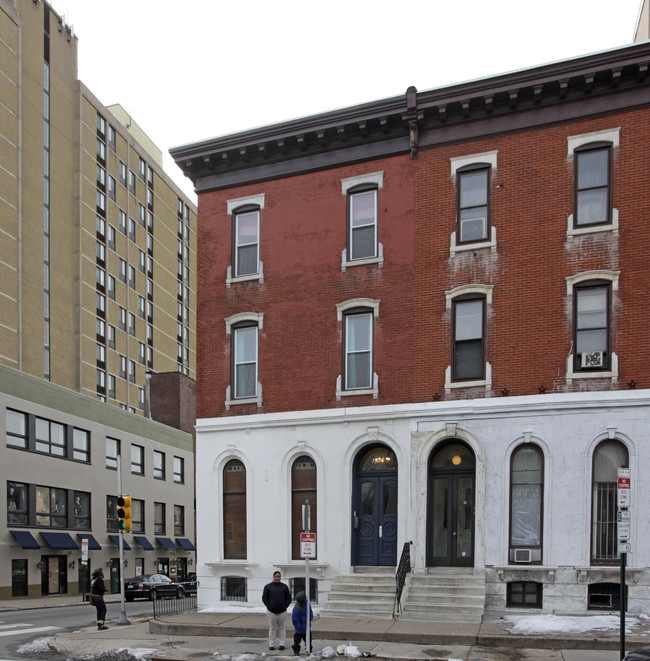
x: 641, y: 654
x: 189, y: 583
x: 152, y: 586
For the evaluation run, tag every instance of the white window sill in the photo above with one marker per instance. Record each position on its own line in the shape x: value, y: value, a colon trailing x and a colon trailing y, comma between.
x: 244, y: 400
x: 346, y: 263
x: 374, y: 391
x: 455, y: 385
x: 240, y: 565
x: 491, y: 243
x: 244, y: 278
x: 610, y: 374
x: 572, y: 231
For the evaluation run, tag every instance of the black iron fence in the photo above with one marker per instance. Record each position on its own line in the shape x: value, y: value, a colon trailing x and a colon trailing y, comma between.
x: 403, y: 569
x: 172, y: 606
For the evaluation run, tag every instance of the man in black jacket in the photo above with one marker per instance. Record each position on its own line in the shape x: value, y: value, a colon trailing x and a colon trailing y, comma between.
x: 276, y: 597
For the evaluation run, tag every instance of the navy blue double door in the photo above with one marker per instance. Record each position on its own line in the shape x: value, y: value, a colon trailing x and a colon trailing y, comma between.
x: 374, y: 509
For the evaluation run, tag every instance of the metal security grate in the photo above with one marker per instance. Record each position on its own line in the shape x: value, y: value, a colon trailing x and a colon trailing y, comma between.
x: 233, y: 588
x: 603, y: 536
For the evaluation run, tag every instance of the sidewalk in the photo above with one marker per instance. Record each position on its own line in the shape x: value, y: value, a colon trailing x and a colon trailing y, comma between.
x: 221, y: 636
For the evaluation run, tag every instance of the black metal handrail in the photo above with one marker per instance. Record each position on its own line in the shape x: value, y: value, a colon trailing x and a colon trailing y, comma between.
x: 403, y: 569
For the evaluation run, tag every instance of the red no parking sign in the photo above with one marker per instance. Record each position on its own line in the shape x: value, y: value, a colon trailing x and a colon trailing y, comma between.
x: 307, y: 544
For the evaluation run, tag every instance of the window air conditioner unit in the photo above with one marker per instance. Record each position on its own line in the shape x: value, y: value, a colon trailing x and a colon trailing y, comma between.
x: 473, y: 229
x: 591, y: 359
x: 522, y: 555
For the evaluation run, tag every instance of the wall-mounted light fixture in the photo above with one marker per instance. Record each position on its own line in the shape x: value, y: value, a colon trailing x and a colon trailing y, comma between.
x: 126, y: 562
x: 190, y: 562
x: 109, y: 563
x: 40, y: 565
x: 73, y: 564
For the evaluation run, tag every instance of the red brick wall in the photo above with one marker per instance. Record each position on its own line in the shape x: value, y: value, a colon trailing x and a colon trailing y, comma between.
x: 172, y: 400
x: 303, y: 230
x: 530, y: 323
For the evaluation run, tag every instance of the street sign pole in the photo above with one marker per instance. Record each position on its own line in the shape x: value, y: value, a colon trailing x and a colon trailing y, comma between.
x: 306, y: 526
x: 623, y: 493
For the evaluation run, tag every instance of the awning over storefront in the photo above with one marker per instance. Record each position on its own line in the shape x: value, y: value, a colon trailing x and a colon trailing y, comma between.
x: 185, y: 543
x: 59, y: 541
x: 144, y: 542
x: 93, y: 544
x: 167, y: 543
x: 116, y: 540
x: 25, y: 539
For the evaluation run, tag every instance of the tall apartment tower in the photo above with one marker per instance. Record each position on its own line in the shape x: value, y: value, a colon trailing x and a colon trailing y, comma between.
x: 97, y: 256
x: 97, y: 300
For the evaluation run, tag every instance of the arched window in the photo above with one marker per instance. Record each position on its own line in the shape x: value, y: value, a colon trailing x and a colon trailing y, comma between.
x: 609, y: 456
x: 303, y: 487
x: 234, y: 510
x: 526, y: 504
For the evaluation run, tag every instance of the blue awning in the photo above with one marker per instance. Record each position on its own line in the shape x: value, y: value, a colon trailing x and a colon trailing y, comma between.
x: 167, y: 543
x: 144, y: 542
x: 25, y: 539
x: 116, y: 540
x: 93, y: 544
x: 59, y: 540
x: 185, y: 543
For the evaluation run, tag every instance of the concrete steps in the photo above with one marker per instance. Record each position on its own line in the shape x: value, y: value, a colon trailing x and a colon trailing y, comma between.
x: 365, y: 594
x: 444, y: 595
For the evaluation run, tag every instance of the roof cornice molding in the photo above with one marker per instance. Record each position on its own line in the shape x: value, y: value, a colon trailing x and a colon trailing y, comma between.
x: 565, y: 91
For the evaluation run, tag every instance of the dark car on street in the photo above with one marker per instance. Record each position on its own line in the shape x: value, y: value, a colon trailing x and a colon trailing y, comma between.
x: 642, y: 654
x: 152, y: 586
x: 189, y: 583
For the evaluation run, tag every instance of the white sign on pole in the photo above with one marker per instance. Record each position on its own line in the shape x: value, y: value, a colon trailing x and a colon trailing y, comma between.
x: 624, y: 547
x: 624, y: 487
x: 308, y: 545
x: 623, y: 531
x: 84, y: 551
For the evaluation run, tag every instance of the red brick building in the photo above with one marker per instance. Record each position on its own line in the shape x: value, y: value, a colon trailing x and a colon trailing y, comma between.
x: 436, y: 305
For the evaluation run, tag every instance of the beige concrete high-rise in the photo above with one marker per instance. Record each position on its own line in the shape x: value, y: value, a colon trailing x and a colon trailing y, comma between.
x: 97, y: 244
x: 97, y: 294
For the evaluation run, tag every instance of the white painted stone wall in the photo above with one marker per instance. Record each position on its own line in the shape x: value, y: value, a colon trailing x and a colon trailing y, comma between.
x: 567, y: 427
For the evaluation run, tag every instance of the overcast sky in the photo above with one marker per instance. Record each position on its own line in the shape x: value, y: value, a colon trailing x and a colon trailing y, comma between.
x: 189, y: 71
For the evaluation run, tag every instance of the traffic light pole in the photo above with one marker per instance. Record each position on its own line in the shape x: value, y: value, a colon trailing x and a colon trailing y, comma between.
x: 122, y: 619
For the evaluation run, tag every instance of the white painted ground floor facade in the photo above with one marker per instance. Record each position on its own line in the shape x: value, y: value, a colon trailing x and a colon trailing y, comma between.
x: 520, y: 489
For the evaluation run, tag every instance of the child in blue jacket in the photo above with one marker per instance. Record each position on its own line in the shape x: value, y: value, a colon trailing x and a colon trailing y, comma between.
x: 299, y: 619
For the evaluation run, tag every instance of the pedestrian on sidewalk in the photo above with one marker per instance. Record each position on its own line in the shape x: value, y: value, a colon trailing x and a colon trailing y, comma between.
x: 301, y: 622
x: 97, y: 589
x: 277, y: 598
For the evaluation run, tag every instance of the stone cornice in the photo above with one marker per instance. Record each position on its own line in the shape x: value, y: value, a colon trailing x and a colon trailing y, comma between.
x: 570, y: 90
x: 434, y: 412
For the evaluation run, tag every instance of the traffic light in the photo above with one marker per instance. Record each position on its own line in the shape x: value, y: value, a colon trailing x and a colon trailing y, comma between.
x: 124, y: 513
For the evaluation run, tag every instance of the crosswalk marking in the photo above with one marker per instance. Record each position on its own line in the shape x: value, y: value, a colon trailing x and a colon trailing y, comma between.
x: 28, y: 630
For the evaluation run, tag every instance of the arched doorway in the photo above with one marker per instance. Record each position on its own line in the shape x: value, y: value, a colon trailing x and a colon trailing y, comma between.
x: 374, y: 508
x: 450, y: 506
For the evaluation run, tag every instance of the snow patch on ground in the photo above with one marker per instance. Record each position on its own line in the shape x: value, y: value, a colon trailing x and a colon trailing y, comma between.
x: 557, y: 624
x: 37, y: 646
